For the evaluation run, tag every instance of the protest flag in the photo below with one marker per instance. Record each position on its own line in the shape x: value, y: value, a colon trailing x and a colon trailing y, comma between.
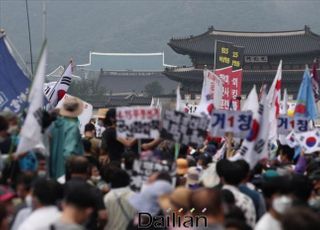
x: 61, y: 87
x: 14, y: 84
x: 315, y: 81
x: 284, y: 111
x: 31, y: 131
x: 152, y: 104
x: 273, y: 99
x: 251, y: 102
x: 254, y: 147
x: 178, y: 98
x: 306, y: 105
x: 211, y: 93
x: 309, y: 141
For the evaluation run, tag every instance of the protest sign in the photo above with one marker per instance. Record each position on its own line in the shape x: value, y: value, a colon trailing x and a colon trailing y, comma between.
x: 236, y: 122
x: 140, y: 122
x: 84, y: 117
x: 142, y: 169
x: 286, y: 124
x: 228, y: 66
x: 184, y: 128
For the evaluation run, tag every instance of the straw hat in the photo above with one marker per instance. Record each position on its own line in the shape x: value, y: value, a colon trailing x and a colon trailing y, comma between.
x: 179, y: 198
x: 72, y: 107
x: 182, y: 166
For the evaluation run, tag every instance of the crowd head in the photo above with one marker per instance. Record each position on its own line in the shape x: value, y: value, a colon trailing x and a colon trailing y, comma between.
x: 106, y: 182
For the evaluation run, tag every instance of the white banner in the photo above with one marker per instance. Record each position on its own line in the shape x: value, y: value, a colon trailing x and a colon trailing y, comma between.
x: 140, y: 122
x: 286, y: 124
x: 237, y: 122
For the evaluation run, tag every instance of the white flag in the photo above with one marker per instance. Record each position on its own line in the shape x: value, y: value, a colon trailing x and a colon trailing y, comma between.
x: 273, y: 99
x: 252, y: 101
x: 31, y: 134
x: 178, y: 98
x: 211, y: 93
x: 255, y: 146
x: 61, y: 87
x: 152, y: 104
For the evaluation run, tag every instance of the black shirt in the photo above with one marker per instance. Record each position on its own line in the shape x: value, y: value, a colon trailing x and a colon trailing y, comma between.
x: 111, y: 145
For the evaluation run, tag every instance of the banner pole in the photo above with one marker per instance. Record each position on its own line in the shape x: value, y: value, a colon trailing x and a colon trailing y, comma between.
x: 139, y: 147
x: 176, y: 150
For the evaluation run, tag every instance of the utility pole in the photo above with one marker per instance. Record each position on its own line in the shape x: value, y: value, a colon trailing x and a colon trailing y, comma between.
x: 29, y: 32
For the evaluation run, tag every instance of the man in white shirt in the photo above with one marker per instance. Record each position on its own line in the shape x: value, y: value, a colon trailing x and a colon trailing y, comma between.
x: 45, y: 194
x: 119, y: 211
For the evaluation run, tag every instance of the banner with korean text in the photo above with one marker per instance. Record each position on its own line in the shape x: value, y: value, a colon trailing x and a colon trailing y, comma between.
x: 184, y: 128
x: 236, y: 122
x: 140, y: 122
x: 228, y: 66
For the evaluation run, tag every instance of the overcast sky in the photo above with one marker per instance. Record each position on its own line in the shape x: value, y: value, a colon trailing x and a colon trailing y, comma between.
x: 76, y: 27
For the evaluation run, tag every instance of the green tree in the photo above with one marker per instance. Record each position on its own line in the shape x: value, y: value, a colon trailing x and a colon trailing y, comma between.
x: 87, y: 90
x: 152, y: 89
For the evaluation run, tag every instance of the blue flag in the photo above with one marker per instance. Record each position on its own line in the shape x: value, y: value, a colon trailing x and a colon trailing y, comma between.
x: 14, y: 84
x: 306, y: 105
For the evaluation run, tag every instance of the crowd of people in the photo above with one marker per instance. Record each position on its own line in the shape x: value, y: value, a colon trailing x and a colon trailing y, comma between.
x: 84, y: 182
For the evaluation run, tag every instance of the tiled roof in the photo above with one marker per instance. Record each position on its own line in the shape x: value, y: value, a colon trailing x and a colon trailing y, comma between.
x: 291, y: 79
x: 117, y: 101
x: 120, y: 82
x: 255, y: 43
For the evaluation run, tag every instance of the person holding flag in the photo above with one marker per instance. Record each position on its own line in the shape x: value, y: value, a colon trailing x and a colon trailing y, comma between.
x: 65, y: 137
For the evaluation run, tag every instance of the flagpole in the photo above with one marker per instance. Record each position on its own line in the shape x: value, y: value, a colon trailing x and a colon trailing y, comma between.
x: 29, y: 32
x: 44, y: 20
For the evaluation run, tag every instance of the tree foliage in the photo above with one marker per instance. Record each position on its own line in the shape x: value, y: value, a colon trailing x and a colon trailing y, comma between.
x: 152, y: 89
x: 87, y: 90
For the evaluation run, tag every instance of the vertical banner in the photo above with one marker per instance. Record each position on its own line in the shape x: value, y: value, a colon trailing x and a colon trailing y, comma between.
x: 228, y: 66
x: 223, y: 68
x: 235, y: 83
x: 14, y: 84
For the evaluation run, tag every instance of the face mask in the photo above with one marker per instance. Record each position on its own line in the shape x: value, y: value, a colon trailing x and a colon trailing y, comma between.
x: 314, y: 202
x: 28, y: 200
x: 96, y: 178
x: 42, y: 173
x: 281, y: 204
